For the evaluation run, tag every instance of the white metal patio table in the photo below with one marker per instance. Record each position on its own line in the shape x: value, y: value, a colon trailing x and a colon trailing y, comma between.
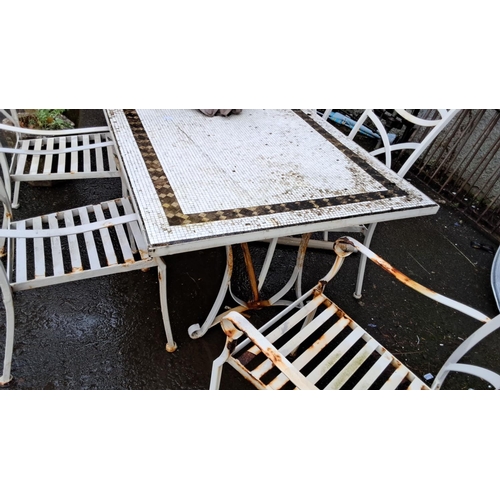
x: 200, y: 182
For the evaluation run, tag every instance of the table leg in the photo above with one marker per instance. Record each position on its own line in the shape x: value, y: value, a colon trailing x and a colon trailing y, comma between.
x: 196, y: 331
x: 256, y: 285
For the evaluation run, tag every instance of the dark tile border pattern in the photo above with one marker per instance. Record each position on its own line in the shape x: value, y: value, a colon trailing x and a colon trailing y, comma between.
x: 176, y: 217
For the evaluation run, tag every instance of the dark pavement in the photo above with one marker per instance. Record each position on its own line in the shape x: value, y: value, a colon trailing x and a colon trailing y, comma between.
x: 107, y: 333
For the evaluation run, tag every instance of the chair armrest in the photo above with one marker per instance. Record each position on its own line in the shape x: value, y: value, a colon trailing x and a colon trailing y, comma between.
x: 65, y: 231
x: 347, y: 244
x: 52, y: 133
x: 234, y: 325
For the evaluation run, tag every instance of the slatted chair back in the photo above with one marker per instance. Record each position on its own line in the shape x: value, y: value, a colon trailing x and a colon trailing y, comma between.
x: 319, y: 346
x: 369, y: 118
x: 51, y: 155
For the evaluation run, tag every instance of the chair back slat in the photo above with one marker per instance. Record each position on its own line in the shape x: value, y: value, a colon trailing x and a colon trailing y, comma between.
x: 47, y: 166
x: 35, y: 159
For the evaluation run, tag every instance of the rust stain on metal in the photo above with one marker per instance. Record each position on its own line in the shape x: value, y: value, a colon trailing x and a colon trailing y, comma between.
x: 76, y: 270
x: 251, y: 273
x: 402, y: 277
x: 274, y: 356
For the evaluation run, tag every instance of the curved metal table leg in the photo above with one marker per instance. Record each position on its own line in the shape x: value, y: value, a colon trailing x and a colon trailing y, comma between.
x: 295, y: 278
x: 196, y: 331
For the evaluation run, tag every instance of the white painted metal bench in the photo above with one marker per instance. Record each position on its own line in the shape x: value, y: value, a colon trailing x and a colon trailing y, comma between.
x: 319, y: 346
x: 71, y: 245
x: 43, y: 155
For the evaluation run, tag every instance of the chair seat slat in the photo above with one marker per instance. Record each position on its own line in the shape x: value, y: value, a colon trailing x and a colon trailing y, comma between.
x: 55, y: 244
x: 397, y: 377
x: 312, y: 351
x: 86, y: 154
x: 348, y: 371
x: 417, y: 384
x: 374, y: 372
x: 89, y: 240
x: 39, y: 250
x: 109, y: 250
x: 21, y: 261
x: 74, y: 247
x: 136, y: 230
x: 296, y: 340
x: 111, y: 159
x: 300, y: 315
x: 122, y: 237
x: 335, y: 355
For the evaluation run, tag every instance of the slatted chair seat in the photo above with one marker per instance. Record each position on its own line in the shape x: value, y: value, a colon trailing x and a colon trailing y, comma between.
x: 75, y: 244
x: 112, y: 248
x: 319, y: 346
x: 55, y: 155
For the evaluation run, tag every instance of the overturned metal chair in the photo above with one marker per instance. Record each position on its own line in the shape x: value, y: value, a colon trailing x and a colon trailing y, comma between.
x: 433, y: 125
x: 54, y: 155
x: 319, y: 346
x: 80, y: 243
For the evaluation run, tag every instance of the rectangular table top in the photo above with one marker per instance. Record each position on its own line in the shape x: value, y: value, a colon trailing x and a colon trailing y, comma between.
x: 201, y: 181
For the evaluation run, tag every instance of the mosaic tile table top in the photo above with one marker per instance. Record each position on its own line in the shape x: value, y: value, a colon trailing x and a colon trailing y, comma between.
x: 203, y: 181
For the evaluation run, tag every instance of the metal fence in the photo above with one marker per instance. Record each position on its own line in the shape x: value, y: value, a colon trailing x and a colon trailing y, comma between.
x: 463, y: 166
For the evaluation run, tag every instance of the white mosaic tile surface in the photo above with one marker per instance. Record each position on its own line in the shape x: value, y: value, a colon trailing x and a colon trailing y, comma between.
x: 260, y: 157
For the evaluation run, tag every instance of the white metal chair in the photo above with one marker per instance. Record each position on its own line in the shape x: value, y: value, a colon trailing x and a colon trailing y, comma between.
x: 434, y: 126
x: 319, y: 346
x: 70, y: 245
x: 51, y: 155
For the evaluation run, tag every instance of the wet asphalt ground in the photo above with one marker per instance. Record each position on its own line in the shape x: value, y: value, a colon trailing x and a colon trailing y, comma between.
x: 107, y: 332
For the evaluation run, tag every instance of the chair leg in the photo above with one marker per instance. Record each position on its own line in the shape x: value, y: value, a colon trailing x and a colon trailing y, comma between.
x: 195, y: 331
x: 9, y: 330
x: 15, y: 198
x: 362, y: 262
x: 162, y: 281
x: 217, y: 366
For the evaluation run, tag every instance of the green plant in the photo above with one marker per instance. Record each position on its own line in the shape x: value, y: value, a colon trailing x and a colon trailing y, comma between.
x: 48, y: 119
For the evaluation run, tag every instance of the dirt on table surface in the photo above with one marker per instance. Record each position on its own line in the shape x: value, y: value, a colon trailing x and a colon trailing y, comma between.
x: 107, y: 333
